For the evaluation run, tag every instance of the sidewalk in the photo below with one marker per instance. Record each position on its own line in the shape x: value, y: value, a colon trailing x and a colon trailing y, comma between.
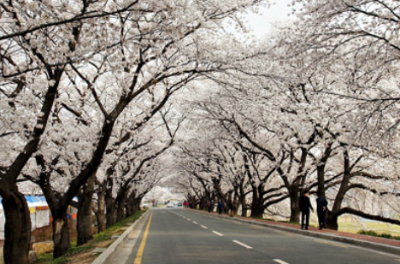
x: 376, y: 243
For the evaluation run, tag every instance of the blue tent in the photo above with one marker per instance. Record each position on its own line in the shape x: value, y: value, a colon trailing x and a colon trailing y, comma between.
x: 31, y: 199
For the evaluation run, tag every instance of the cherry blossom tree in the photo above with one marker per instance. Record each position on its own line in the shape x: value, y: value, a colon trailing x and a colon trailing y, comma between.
x: 142, y: 53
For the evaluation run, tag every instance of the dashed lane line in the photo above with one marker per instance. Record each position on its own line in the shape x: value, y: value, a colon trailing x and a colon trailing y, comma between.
x: 194, y: 222
x: 241, y: 244
x: 204, y: 227
x: 280, y: 261
x: 218, y: 234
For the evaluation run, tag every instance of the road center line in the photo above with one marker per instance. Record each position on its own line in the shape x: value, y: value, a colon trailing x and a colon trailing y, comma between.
x: 284, y: 233
x: 194, y: 222
x: 241, y: 244
x: 138, y: 259
x: 204, y: 227
x: 280, y: 261
x: 329, y: 243
x: 218, y: 234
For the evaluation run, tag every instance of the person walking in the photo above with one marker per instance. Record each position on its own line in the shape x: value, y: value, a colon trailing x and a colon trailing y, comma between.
x: 322, y: 205
x: 231, y: 209
x: 305, y: 206
x: 210, y: 206
x: 220, y: 206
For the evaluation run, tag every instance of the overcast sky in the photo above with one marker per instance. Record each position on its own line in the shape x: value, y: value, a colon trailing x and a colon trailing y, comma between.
x: 261, y: 23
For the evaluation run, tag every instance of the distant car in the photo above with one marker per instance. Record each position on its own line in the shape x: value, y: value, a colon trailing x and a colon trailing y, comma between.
x: 170, y: 205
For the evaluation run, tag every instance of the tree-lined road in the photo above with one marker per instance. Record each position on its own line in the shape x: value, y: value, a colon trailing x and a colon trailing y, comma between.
x: 181, y: 236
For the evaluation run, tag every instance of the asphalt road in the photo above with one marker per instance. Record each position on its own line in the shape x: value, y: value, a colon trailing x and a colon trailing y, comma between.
x: 177, y: 236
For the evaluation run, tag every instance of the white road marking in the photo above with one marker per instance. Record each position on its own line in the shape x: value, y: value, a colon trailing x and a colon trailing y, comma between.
x: 241, y: 244
x: 204, y: 227
x: 188, y: 219
x: 194, y: 222
x: 280, y: 261
x: 218, y: 234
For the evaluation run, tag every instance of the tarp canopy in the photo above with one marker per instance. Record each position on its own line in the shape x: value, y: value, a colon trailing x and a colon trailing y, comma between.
x: 38, y: 207
x: 34, y: 201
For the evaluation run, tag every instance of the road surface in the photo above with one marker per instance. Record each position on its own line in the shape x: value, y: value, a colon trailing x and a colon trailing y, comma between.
x: 174, y: 236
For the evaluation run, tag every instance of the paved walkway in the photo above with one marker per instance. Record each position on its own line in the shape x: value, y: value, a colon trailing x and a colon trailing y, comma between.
x: 316, y: 231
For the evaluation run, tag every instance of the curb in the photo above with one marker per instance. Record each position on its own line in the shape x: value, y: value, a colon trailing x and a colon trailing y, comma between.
x: 360, y: 243
x: 111, y: 249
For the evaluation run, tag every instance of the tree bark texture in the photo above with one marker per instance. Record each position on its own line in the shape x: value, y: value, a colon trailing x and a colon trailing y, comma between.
x: 110, y: 204
x: 110, y: 213
x: 101, y: 208
x: 60, y: 234
x: 17, y: 228
x: 332, y: 217
x: 84, y: 217
x: 257, y: 205
x: 294, y: 204
x: 129, y: 207
x: 121, y: 199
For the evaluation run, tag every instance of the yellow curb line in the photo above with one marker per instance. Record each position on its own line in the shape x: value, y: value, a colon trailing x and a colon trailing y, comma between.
x: 138, y: 259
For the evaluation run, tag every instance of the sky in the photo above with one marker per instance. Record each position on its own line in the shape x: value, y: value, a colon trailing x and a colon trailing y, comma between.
x: 261, y: 23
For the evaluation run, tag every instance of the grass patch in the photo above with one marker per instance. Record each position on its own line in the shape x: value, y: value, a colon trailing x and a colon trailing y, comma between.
x: 116, y: 229
x: 48, y: 258
x: 375, y: 234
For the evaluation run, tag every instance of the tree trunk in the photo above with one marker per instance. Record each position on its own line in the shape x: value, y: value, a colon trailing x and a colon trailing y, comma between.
x: 321, y: 170
x: 294, y: 204
x: 332, y: 217
x: 101, y: 208
x: 17, y: 228
x: 101, y: 221
x: 242, y: 199
x: 244, y: 211
x: 60, y: 233
x: 203, y: 203
x: 110, y: 216
x: 110, y: 202
x: 84, y: 217
x: 332, y: 221
x: 121, y: 199
x: 257, y: 211
x: 257, y: 205
x: 129, y: 207
x: 137, y: 203
x: 321, y: 179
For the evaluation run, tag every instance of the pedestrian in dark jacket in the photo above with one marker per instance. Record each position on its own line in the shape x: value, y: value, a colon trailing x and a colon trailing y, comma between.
x: 322, y: 205
x: 305, y: 206
x: 210, y: 206
x: 231, y: 209
x: 220, y: 206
